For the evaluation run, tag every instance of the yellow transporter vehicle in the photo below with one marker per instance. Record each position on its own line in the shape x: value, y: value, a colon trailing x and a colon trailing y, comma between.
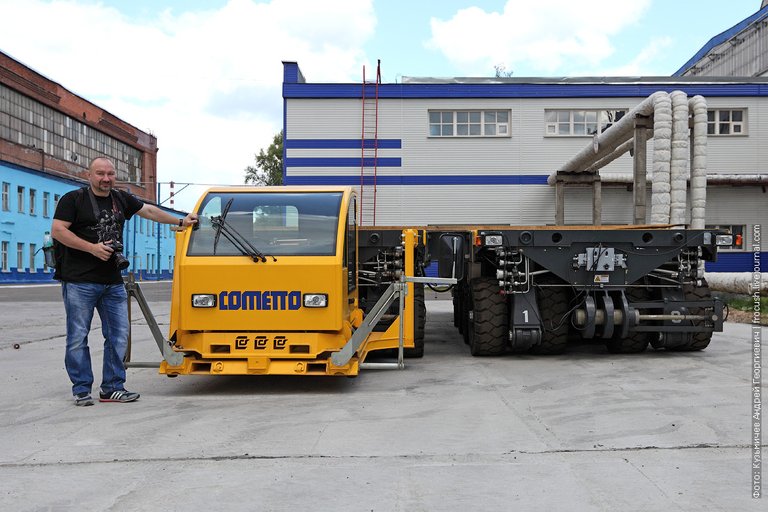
x: 269, y: 282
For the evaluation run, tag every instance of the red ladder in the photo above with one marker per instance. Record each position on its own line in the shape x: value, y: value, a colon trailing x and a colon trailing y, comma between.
x: 369, y: 148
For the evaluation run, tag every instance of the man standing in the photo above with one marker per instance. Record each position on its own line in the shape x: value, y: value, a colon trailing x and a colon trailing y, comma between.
x: 88, y: 224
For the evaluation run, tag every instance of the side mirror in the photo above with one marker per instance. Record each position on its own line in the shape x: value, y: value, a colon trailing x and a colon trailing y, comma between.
x: 450, y: 256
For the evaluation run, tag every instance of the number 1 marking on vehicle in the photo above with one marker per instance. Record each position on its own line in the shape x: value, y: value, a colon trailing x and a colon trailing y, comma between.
x: 525, y: 315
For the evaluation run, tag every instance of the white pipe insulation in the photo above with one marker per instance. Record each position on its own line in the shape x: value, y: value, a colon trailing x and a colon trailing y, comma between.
x: 610, y: 139
x: 678, y: 154
x: 698, y: 107
x: 678, y: 175
x: 662, y: 155
x: 623, y: 148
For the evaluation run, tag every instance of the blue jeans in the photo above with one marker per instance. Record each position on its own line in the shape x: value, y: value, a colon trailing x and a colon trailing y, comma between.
x: 110, y: 300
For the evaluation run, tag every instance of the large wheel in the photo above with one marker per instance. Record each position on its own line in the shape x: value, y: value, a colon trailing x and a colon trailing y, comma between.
x: 419, y: 319
x: 465, y: 310
x: 698, y: 340
x: 490, y: 320
x: 457, y: 309
x: 553, y: 307
x: 636, y: 342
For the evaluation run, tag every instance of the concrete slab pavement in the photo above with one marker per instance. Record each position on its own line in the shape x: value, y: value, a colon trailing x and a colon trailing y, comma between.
x: 583, y: 431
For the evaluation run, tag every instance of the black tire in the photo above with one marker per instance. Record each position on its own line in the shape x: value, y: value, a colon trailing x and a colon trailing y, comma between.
x: 490, y: 319
x: 456, y: 309
x: 636, y: 342
x: 465, y: 301
x: 419, y: 320
x: 699, y: 340
x: 553, y: 307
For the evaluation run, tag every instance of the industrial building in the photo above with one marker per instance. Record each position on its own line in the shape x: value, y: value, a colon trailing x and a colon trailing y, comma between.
x: 48, y: 136
x: 430, y: 151
x: 742, y: 50
x: 479, y: 150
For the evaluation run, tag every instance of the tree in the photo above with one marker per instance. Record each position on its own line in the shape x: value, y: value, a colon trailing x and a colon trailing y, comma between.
x: 269, y: 165
x: 501, y: 71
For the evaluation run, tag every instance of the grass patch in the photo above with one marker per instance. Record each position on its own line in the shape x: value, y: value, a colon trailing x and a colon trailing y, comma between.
x: 746, y: 303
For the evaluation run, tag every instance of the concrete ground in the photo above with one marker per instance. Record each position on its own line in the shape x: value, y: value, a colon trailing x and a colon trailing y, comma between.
x: 583, y: 431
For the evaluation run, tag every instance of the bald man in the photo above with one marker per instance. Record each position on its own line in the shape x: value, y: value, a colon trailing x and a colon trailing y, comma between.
x: 88, y: 224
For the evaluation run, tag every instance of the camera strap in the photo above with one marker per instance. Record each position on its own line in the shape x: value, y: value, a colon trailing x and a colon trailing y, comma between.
x: 95, y: 206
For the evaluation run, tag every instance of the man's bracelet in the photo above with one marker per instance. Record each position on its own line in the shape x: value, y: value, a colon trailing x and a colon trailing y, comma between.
x: 181, y: 223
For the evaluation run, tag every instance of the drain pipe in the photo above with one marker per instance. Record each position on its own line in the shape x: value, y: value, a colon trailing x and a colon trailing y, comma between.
x: 662, y: 142
x: 698, y: 107
x: 679, y: 163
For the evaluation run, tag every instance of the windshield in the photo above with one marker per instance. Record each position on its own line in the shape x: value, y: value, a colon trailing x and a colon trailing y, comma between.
x: 288, y: 224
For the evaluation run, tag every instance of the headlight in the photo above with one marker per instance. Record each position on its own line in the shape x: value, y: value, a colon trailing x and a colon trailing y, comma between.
x: 203, y: 300
x: 724, y: 240
x: 493, y: 240
x: 315, y: 300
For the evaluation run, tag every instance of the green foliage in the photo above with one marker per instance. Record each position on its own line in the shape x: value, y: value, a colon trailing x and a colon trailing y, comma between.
x: 746, y: 303
x: 269, y: 166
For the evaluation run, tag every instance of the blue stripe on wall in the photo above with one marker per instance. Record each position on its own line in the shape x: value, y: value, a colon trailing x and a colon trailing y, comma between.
x: 528, y: 90
x: 340, y: 144
x: 736, y: 262
x: 479, y: 179
x: 341, y: 162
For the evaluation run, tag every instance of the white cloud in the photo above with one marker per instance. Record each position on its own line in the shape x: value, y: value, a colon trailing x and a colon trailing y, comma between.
x: 645, y: 63
x: 206, y: 83
x: 543, y: 35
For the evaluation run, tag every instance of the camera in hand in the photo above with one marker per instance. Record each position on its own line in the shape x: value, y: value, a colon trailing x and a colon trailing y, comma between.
x: 121, y: 261
x: 109, y: 230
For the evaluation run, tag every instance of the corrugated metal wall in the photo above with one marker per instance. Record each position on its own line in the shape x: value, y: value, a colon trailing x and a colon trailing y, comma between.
x: 746, y: 54
x: 418, y: 193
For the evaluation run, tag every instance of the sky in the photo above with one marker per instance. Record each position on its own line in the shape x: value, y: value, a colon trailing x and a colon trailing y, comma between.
x: 205, y: 76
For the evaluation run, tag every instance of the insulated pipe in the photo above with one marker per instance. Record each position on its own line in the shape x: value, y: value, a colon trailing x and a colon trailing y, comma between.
x: 712, y: 179
x: 662, y: 135
x: 679, y: 161
x: 623, y: 148
x: 609, y: 140
x: 698, y: 107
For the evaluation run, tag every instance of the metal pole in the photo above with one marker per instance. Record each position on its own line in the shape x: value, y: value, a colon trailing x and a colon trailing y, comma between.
x: 597, y: 201
x: 559, y: 202
x: 158, y: 235
x: 639, y: 169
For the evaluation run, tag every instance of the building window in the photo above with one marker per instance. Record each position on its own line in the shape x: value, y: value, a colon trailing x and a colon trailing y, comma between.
x: 56, y: 198
x: 580, y: 123
x: 20, y: 194
x: 46, y: 200
x: 20, y: 257
x: 726, y: 122
x: 469, y: 123
x: 4, y: 256
x: 32, y: 198
x: 6, y: 197
x: 32, y: 250
x: 32, y: 124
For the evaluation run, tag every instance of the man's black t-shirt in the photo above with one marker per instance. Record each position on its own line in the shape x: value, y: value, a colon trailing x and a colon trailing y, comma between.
x: 76, y: 207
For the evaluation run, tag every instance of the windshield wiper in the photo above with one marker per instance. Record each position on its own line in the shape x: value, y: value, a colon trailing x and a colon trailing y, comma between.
x: 219, y: 225
x: 236, y: 239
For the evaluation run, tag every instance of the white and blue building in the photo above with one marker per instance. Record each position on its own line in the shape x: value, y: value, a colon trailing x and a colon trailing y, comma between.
x: 479, y: 150
x: 48, y: 135
x: 27, y: 206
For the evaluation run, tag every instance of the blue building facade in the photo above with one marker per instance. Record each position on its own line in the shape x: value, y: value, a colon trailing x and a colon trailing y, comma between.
x: 27, y: 205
